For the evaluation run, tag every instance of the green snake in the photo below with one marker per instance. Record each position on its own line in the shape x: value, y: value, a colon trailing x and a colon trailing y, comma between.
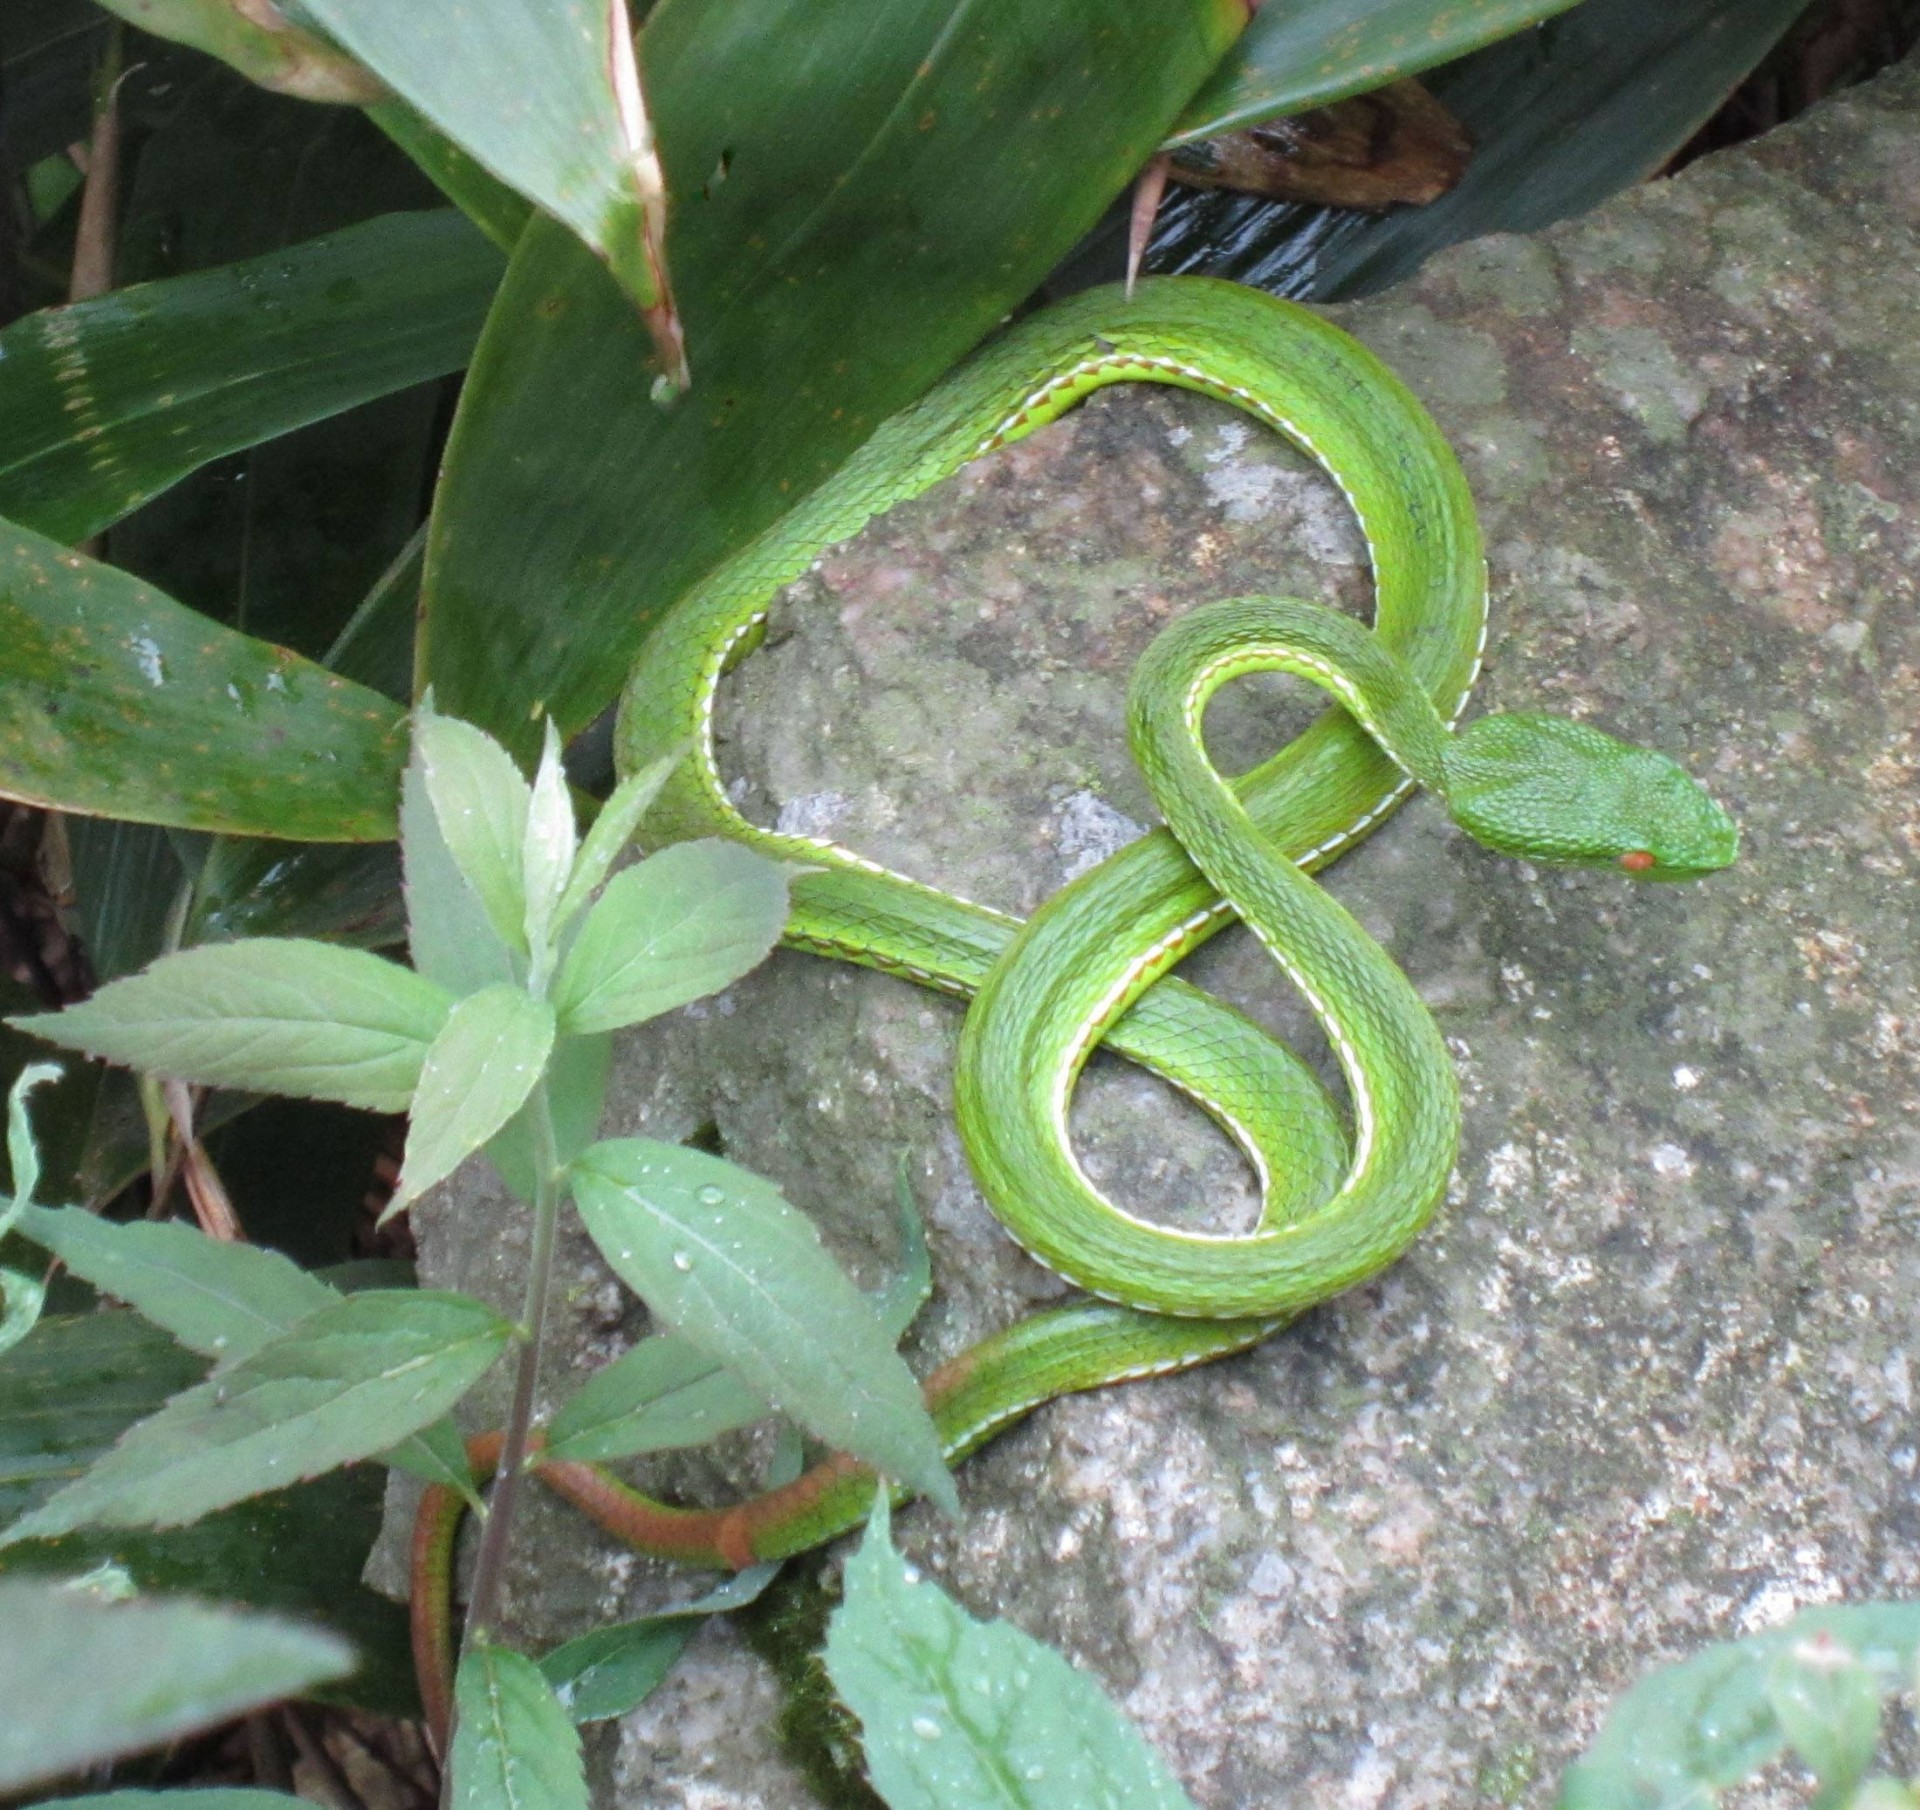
x: 1091, y: 966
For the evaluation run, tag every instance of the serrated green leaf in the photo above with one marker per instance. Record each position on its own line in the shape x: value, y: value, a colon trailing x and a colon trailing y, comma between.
x: 488, y: 1058
x: 450, y: 935
x: 959, y: 1712
x: 612, y: 1670
x: 84, y: 1680
x: 274, y: 1015
x: 514, y: 1747
x: 81, y: 1381
x: 350, y: 1380
x: 899, y: 1301
x: 609, y: 835
x: 663, y: 1394
x: 718, y: 1254
x: 116, y: 701
x: 576, y: 1097
x: 552, y: 838
x: 1828, y: 1705
x: 1313, y: 52
x: 480, y: 802
x: 534, y: 94
x: 220, y: 1299
x: 684, y: 923
x: 108, y: 402
x: 437, y: 1455
x: 1686, y: 1732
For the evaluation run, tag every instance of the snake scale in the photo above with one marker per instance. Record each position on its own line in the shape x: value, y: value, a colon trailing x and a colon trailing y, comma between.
x: 1091, y: 967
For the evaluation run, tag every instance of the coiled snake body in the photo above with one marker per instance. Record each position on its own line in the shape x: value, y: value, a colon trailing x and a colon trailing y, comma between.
x: 1091, y: 966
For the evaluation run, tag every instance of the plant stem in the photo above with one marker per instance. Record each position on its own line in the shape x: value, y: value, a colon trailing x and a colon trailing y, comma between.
x: 490, y: 1567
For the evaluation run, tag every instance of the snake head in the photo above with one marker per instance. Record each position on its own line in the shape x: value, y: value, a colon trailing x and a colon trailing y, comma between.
x: 1545, y: 788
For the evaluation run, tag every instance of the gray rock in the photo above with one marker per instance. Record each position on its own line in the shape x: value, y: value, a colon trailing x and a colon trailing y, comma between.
x: 1648, y: 1381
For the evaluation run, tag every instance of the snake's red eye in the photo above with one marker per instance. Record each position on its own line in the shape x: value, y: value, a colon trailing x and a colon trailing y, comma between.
x: 1637, y: 861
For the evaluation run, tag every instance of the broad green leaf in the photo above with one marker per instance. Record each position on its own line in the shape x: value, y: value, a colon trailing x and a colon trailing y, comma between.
x: 544, y: 96
x: 117, y: 701
x: 718, y: 1254
x: 274, y: 1015
x: 347, y: 1382
x: 480, y: 802
x: 450, y: 934
x: 663, y: 1394
x: 684, y: 923
x: 607, y: 838
x: 280, y: 56
x: 488, y: 1058
x: 84, y: 1680
x: 954, y: 1711
x: 107, y: 402
x: 1312, y: 52
x: 493, y: 207
x: 613, y: 1670
x: 78, y: 1383
x: 828, y: 265
x: 552, y: 840
x: 222, y: 1300
x: 1828, y: 1706
x: 514, y: 1747
x: 1689, y: 1731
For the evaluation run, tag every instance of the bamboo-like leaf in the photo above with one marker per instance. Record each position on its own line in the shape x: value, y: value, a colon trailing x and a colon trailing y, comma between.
x: 279, y: 56
x: 955, y: 1711
x: 829, y: 267
x: 84, y: 1680
x: 487, y: 1059
x: 731, y: 1267
x: 347, y: 1382
x: 273, y: 1014
x: 115, y: 701
x: 109, y: 401
x: 220, y: 1299
x: 514, y: 1746
x: 546, y: 97
x: 1306, y: 54
x: 493, y: 207
x: 684, y: 923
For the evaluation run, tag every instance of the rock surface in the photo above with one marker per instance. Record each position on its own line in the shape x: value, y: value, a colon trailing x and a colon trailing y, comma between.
x: 1648, y: 1381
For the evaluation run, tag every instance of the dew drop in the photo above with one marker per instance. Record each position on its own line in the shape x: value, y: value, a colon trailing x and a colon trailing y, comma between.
x: 926, y: 1728
x: 712, y: 1195
x: 1035, y: 1773
x: 681, y: 1261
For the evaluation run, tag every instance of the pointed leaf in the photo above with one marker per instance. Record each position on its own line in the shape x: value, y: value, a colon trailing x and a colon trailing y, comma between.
x: 731, y: 1267
x: 546, y: 858
x: 1828, y: 1704
x: 449, y: 934
x: 956, y: 1711
x: 514, y: 1747
x: 609, y: 835
x: 108, y: 402
x: 613, y: 1670
x: 480, y: 802
x: 350, y: 1380
x: 663, y: 1394
x: 23, y: 1154
x: 828, y: 266
x: 684, y: 923
x: 438, y: 1455
x: 488, y: 1058
x: 899, y: 1301
x: 273, y: 1015
x: 222, y: 1300
x: 1306, y: 54
x: 281, y: 56
x: 533, y: 93
x: 116, y: 701
x: 84, y: 1680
